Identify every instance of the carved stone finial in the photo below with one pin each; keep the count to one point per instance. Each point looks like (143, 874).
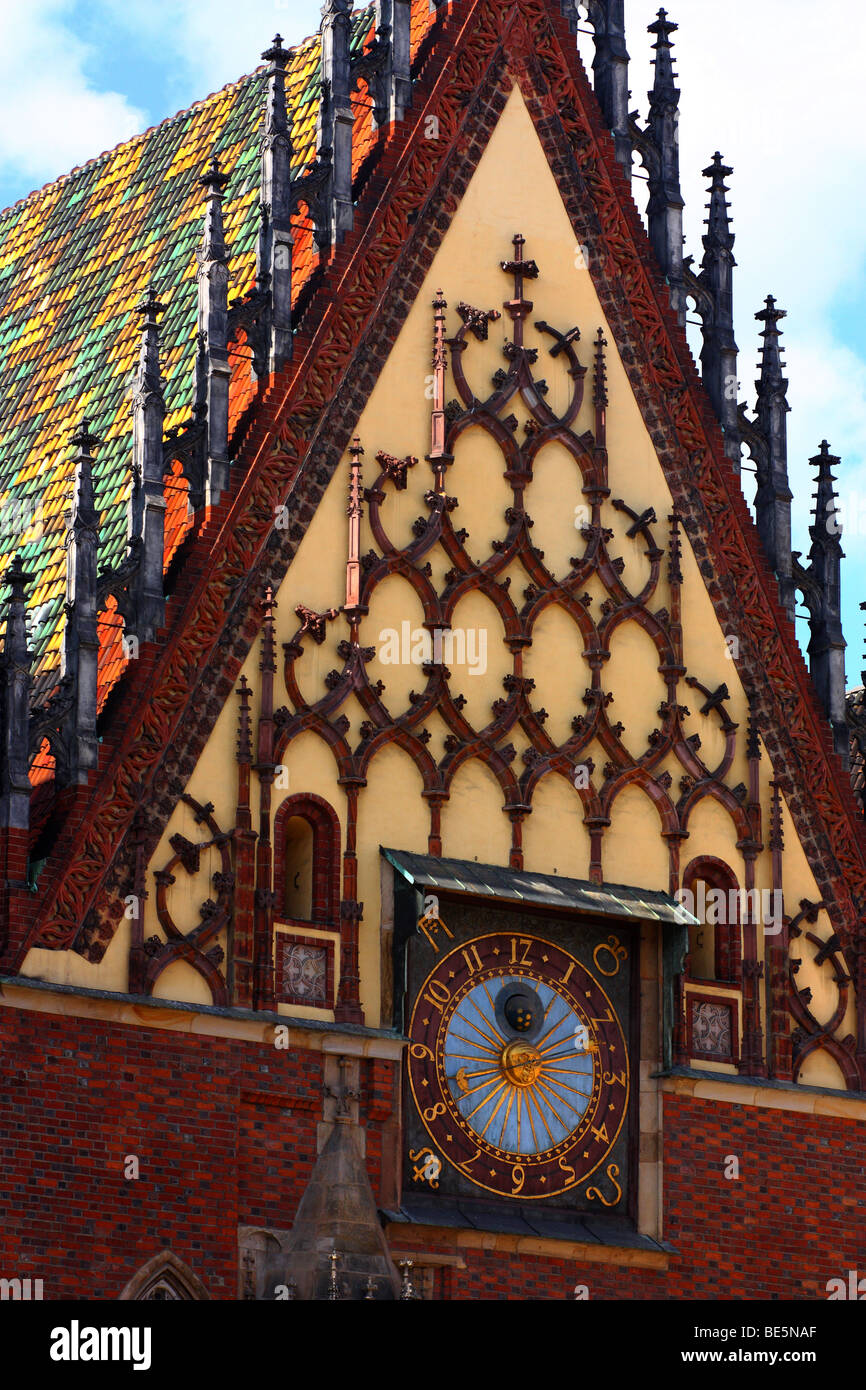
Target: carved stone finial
(610, 71)
(773, 497)
(275, 246)
(334, 1292)
(599, 394)
(212, 372)
(665, 208)
(440, 366)
(354, 511)
(718, 223)
(80, 641)
(14, 778)
(336, 118)
(407, 1289)
(719, 353)
(823, 593)
(214, 179)
(146, 514)
(244, 743)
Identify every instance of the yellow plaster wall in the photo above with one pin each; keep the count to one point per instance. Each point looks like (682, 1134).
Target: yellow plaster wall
(512, 190)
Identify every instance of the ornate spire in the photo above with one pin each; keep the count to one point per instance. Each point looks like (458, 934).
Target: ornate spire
(81, 642)
(440, 366)
(610, 70)
(244, 741)
(337, 1238)
(398, 14)
(335, 115)
(212, 365)
(147, 499)
(14, 779)
(276, 244)
(773, 497)
(665, 209)
(719, 355)
(354, 512)
(827, 644)
(374, 65)
(599, 390)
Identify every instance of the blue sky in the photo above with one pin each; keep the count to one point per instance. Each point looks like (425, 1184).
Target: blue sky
(775, 86)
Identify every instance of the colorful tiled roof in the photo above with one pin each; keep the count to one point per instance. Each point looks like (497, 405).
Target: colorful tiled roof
(75, 257)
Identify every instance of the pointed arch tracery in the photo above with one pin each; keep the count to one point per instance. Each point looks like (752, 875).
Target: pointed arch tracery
(324, 825)
(164, 1278)
(516, 719)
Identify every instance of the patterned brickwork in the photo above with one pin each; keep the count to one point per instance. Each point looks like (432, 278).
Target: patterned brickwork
(794, 1219)
(225, 1134)
(224, 1131)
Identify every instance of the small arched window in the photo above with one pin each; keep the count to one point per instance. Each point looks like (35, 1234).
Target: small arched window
(164, 1279)
(715, 948)
(307, 860)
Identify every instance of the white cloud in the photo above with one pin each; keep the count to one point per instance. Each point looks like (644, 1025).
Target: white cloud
(216, 43)
(51, 117)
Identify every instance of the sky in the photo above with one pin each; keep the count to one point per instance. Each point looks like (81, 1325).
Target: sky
(775, 86)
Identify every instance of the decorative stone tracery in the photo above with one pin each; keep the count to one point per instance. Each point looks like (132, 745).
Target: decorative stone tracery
(594, 720)
(82, 911)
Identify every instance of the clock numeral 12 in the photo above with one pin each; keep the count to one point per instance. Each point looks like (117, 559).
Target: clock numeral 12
(524, 959)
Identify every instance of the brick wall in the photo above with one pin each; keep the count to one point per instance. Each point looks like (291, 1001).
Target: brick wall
(795, 1217)
(225, 1134)
(224, 1131)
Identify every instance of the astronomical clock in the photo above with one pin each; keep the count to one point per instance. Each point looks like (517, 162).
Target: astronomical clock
(520, 1071)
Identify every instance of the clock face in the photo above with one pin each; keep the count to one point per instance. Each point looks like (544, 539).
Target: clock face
(518, 1065)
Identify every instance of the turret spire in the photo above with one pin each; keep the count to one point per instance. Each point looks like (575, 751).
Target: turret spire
(335, 116)
(147, 499)
(719, 355)
(14, 779)
(827, 644)
(773, 497)
(354, 512)
(212, 365)
(665, 209)
(81, 643)
(398, 13)
(610, 70)
(276, 244)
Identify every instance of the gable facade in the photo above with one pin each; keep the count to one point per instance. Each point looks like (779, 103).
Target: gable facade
(487, 593)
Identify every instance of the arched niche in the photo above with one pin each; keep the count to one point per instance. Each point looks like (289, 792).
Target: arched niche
(164, 1279)
(307, 859)
(715, 949)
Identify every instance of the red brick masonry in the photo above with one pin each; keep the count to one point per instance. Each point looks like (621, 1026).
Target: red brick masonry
(225, 1134)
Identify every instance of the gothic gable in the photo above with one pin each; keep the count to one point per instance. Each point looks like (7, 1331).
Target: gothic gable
(561, 490)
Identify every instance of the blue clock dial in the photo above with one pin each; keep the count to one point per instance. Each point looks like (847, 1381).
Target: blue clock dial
(518, 1094)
